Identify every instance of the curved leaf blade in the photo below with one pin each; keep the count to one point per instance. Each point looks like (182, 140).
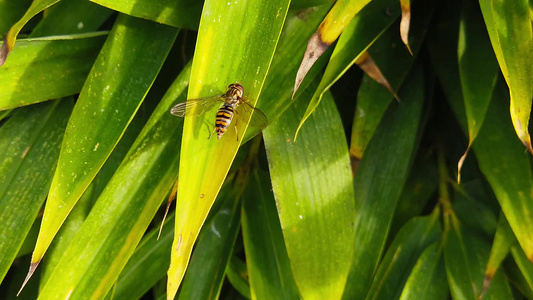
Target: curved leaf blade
(312, 183)
(511, 35)
(47, 68)
(36, 7)
(29, 145)
(108, 103)
(226, 52)
(360, 34)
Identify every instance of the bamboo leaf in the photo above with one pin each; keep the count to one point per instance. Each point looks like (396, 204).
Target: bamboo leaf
(47, 68)
(179, 13)
(220, 44)
(338, 18)
(378, 182)
(402, 255)
(362, 32)
(36, 7)
(501, 246)
(478, 70)
(112, 94)
(428, 277)
(108, 237)
(29, 147)
(312, 183)
(266, 256)
(511, 35)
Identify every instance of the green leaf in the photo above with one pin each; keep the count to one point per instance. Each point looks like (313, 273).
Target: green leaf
(47, 68)
(466, 256)
(478, 68)
(266, 256)
(524, 264)
(511, 35)
(372, 98)
(499, 156)
(427, 280)
(504, 239)
(239, 50)
(29, 147)
(236, 273)
(178, 13)
(312, 183)
(108, 237)
(212, 252)
(379, 180)
(36, 7)
(117, 85)
(360, 34)
(402, 255)
(71, 17)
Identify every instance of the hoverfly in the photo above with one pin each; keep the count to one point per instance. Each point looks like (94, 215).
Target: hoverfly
(232, 99)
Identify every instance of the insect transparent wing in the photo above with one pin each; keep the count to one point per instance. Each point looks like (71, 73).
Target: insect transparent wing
(258, 118)
(195, 107)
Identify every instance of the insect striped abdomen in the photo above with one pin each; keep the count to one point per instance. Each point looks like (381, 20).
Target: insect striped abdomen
(224, 116)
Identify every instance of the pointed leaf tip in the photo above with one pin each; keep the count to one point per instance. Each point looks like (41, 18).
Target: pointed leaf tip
(367, 64)
(315, 48)
(405, 23)
(33, 267)
(460, 165)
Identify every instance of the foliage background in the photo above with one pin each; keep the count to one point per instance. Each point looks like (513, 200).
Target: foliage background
(364, 203)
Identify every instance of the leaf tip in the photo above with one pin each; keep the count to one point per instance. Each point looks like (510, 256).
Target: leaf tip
(33, 267)
(315, 48)
(460, 164)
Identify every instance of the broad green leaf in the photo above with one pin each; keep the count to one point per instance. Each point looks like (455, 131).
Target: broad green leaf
(511, 35)
(313, 187)
(177, 13)
(516, 277)
(79, 213)
(148, 264)
(266, 256)
(427, 280)
(338, 18)
(108, 237)
(47, 68)
(362, 32)
(117, 85)
(402, 255)
(36, 7)
(372, 98)
(211, 255)
(466, 256)
(379, 181)
(478, 70)
(11, 12)
(29, 147)
(71, 17)
(469, 197)
(239, 50)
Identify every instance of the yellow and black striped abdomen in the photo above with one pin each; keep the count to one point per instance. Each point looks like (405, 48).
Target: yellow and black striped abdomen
(224, 116)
